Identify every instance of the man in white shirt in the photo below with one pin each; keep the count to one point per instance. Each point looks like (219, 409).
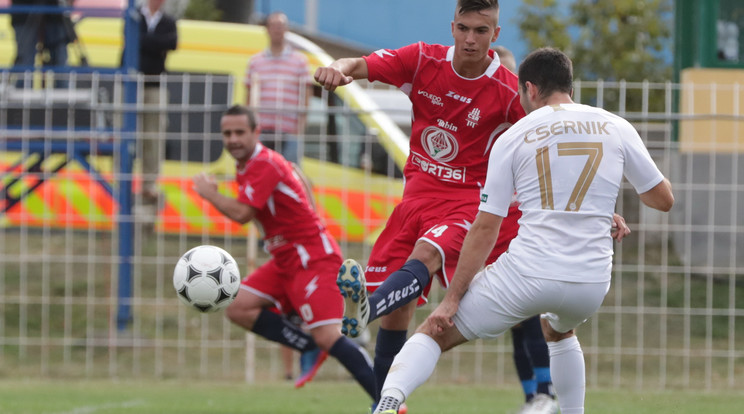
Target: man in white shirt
(566, 162)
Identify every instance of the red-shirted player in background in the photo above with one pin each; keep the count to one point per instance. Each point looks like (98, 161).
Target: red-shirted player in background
(462, 100)
(301, 274)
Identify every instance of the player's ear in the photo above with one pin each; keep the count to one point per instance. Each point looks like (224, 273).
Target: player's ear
(496, 34)
(532, 90)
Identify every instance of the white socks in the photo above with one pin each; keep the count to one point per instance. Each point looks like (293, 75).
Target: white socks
(413, 365)
(568, 373)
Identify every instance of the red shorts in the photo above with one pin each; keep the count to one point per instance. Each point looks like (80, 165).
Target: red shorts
(303, 280)
(441, 223)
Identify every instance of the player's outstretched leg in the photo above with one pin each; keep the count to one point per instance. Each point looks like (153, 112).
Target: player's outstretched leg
(353, 288)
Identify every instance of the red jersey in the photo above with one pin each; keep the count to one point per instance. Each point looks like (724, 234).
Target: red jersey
(455, 119)
(269, 184)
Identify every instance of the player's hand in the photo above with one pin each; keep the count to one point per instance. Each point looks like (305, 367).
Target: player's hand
(619, 228)
(204, 185)
(330, 77)
(441, 318)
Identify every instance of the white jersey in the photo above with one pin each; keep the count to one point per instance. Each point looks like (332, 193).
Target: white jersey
(566, 163)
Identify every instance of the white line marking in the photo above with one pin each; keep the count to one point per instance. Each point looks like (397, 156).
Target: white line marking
(89, 409)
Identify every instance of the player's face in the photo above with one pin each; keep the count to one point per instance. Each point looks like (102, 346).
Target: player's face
(474, 32)
(155, 4)
(240, 140)
(276, 27)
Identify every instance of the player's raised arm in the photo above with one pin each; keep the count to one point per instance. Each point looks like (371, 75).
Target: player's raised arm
(341, 72)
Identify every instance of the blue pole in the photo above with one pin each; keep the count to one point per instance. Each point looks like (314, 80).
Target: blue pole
(130, 67)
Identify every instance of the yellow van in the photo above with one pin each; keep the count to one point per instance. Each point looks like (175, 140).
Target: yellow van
(344, 128)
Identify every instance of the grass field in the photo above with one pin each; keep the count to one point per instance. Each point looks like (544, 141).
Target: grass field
(169, 397)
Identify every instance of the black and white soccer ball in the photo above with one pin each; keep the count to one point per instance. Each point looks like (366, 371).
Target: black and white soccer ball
(206, 278)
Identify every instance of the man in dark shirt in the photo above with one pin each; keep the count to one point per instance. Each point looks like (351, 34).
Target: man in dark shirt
(157, 36)
(48, 27)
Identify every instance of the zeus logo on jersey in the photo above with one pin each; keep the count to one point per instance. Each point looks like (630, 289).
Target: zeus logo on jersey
(459, 97)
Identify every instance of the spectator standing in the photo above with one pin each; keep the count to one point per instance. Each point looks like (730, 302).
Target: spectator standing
(277, 82)
(158, 35)
(49, 28)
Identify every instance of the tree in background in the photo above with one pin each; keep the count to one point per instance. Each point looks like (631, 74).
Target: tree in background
(612, 40)
(202, 10)
(543, 24)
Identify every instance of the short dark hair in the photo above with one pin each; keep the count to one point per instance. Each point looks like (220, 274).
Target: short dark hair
(465, 6)
(243, 110)
(271, 16)
(549, 69)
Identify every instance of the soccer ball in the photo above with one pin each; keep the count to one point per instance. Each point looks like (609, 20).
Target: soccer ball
(206, 278)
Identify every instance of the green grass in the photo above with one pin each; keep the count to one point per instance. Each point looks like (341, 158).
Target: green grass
(165, 397)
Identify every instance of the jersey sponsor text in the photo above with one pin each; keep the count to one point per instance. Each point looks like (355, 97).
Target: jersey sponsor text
(446, 125)
(436, 100)
(442, 172)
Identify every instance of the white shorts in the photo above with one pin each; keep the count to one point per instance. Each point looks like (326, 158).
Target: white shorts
(499, 298)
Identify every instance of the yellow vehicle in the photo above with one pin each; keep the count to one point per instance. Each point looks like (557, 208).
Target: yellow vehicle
(354, 201)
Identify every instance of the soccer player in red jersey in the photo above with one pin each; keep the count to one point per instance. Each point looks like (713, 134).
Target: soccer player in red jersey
(463, 99)
(300, 275)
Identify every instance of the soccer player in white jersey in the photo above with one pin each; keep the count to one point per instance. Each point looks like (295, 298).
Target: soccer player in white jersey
(566, 162)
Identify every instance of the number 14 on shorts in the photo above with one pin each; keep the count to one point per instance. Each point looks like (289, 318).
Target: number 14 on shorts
(437, 230)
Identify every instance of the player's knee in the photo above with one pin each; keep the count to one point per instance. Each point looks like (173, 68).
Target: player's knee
(241, 314)
(326, 336)
(425, 328)
(428, 255)
(447, 339)
(551, 335)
